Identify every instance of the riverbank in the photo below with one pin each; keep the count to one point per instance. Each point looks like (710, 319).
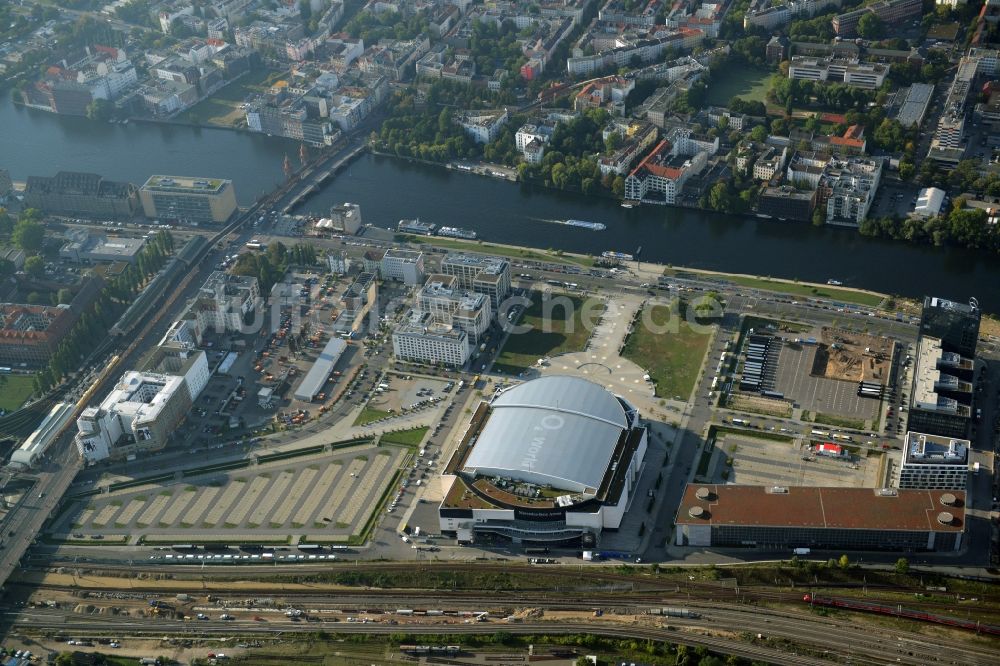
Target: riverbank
(653, 271)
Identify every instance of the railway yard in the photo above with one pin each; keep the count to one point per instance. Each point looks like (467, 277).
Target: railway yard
(758, 621)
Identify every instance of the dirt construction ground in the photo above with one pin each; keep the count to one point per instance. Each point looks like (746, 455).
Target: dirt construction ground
(852, 357)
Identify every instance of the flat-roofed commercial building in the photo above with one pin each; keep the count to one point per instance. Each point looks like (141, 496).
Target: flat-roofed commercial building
(356, 304)
(447, 304)
(556, 459)
(87, 194)
(955, 324)
(82, 247)
(482, 274)
(407, 266)
(941, 395)
(783, 518)
(320, 371)
(934, 463)
(914, 106)
(188, 199)
(143, 410)
(423, 340)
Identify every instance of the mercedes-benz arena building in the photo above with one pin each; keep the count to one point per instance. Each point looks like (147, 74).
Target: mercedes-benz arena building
(553, 460)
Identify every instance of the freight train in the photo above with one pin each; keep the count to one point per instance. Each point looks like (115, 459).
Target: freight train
(899, 611)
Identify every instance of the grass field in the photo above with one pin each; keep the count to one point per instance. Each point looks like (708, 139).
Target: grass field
(14, 390)
(748, 83)
(564, 332)
(411, 437)
(672, 358)
(369, 414)
(501, 250)
(794, 288)
(223, 108)
(839, 421)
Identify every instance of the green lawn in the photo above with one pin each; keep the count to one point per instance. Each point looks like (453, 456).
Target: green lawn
(223, 107)
(795, 288)
(411, 437)
(749, 83)
(565, 331)
(369, 414)
(501, 250)
(672, 358)
(14, 390)
(839, 421)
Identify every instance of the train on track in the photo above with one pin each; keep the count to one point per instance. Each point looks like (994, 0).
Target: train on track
(900, 611)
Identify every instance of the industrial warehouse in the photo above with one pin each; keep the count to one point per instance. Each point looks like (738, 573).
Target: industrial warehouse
(555, 459)
(845, 518)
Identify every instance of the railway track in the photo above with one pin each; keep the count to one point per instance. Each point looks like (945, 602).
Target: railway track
(725, 630)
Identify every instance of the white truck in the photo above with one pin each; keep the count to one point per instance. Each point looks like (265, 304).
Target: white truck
(801, 551)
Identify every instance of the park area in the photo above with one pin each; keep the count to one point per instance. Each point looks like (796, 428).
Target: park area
(558, 323)
(222, 108)
(749, 83)
(671, 355)
(14, 390)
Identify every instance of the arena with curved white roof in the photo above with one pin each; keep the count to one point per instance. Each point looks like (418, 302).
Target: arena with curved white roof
(554, 459)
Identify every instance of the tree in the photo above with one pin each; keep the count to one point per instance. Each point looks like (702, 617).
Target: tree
(902, 566)
(34, 298)
(100, 109)
(618, 186)
(870, 26)
(28, 234)
(818, 217)
(759, 134)
(34, 266)
(64, 297)
(844, 562)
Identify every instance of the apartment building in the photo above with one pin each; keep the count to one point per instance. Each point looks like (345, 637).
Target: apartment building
(483, 126)
(850, 186)
(663, 172)
(770, 163)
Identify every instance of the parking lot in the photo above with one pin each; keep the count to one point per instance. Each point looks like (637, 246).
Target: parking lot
(818, 394)
(769, 463)
(401, 394)
(322, 496)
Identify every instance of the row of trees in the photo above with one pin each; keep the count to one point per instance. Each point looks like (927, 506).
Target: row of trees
(833, 96)
(91, 330)
(961, 227)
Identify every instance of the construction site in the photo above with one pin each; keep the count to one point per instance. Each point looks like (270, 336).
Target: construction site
(852, 357)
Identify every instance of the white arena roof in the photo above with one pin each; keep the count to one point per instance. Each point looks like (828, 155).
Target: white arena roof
(559, 431)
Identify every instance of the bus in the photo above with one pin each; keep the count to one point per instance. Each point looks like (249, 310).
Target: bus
(311, 547)
(842, 437)
(820, 433)
(184, 547)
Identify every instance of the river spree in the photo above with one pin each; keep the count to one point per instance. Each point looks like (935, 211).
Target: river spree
(37, 143)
